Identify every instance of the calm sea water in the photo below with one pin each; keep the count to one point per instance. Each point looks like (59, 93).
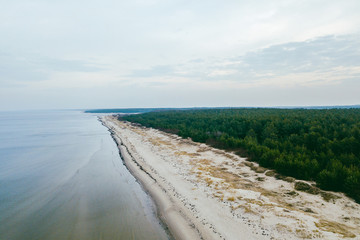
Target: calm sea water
(61, 177)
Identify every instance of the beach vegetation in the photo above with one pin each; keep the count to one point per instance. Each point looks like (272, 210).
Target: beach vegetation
(335, 227)
(321, 145)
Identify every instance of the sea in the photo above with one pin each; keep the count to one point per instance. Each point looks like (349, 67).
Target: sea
(61, 177)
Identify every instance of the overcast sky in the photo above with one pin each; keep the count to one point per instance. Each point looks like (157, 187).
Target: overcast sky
(173, 53)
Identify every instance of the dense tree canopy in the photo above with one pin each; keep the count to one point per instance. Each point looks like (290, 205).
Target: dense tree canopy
(320, 145)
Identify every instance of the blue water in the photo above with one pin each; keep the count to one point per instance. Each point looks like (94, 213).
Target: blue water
(61, 177)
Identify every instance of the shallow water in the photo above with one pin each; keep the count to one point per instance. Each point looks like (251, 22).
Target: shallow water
(61, 177)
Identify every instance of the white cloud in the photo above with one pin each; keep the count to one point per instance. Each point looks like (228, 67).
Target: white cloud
(192, 45)
(217, 73)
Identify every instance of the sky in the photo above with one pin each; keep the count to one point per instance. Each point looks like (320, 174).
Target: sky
(161, 53)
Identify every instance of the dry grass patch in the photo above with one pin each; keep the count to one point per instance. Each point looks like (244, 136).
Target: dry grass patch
(248, 209)
(292, 193)
(183, 153)
(259, 169)
(249, 164)
(218, 151)
(138, 131)
(283, 228)
(270, 173)
(260, 179)
(304, 187)
(303, 233)
(209, 181)
(334, 227)
(231, 199)
(225, 175)
(154, 142)
(164, 143)
(289, 179)
(328, 196)
(203, 149)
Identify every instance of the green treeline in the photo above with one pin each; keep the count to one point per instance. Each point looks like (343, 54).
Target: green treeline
(320, 145)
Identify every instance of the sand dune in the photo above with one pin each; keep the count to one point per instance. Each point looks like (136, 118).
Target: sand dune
(207, 193)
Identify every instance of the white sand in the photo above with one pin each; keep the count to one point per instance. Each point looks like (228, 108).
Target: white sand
(206, 193)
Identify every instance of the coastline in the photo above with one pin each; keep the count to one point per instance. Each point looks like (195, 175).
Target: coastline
(169, 213)
(205, 193)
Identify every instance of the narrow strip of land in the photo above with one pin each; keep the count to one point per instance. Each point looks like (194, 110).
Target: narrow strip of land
(206, 193)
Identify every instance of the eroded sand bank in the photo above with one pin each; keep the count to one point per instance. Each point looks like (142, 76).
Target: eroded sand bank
(206, 193)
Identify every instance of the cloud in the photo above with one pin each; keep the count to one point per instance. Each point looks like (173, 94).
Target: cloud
(15, 70)
(63, 65)
(324, 60)
(318, 53)
(162, 70)
(163, 46)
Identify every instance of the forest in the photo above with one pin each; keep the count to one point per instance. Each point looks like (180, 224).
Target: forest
(322, 145)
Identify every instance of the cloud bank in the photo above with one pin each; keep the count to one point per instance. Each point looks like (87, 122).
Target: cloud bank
(89, 54)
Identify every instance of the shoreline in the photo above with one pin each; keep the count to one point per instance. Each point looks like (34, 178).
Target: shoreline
(178, 225)
(206, 193)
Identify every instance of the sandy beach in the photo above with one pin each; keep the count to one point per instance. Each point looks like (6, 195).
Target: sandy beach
(206, 193)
